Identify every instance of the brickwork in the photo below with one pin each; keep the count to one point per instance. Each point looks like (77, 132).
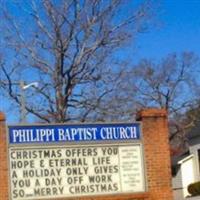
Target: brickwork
(156, 153)
(142, 196)
(3, 160)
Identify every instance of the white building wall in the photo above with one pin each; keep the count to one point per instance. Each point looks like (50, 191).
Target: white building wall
(187, 173)
(177, 186)
(194, 150)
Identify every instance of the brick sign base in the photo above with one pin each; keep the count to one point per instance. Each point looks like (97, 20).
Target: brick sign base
(156, 156)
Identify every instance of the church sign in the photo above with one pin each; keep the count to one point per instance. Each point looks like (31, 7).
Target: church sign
(54, 161)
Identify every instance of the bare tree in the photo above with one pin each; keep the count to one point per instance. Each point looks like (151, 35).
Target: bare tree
(67, 46)
(171, 84)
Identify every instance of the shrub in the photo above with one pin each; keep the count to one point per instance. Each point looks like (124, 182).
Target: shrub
(194, 189)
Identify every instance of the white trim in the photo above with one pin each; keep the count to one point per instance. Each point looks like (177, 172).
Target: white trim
(185, 159)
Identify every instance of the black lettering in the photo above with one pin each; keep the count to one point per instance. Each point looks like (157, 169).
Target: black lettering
(100, 179)
(37, 191)
(14, 174)
(37, 183)
(22, 164)
(21, 183)
(110, 151)
(106, 169)
(15, 193)
(115, 186)
(21, 193)
(101, 160)
(47, 191)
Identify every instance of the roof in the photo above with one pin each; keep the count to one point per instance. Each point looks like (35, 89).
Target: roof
(177, 158)
(175, 165)
(185, 159)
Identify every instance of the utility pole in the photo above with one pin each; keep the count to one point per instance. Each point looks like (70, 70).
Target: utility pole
(23, 87)
(23, 103)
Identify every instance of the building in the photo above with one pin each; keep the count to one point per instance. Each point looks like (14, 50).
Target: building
(186, 168)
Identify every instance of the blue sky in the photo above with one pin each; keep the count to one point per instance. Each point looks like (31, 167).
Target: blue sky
(178, 30)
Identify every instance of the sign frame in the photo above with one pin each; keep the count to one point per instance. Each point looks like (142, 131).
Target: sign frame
(73, 144)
